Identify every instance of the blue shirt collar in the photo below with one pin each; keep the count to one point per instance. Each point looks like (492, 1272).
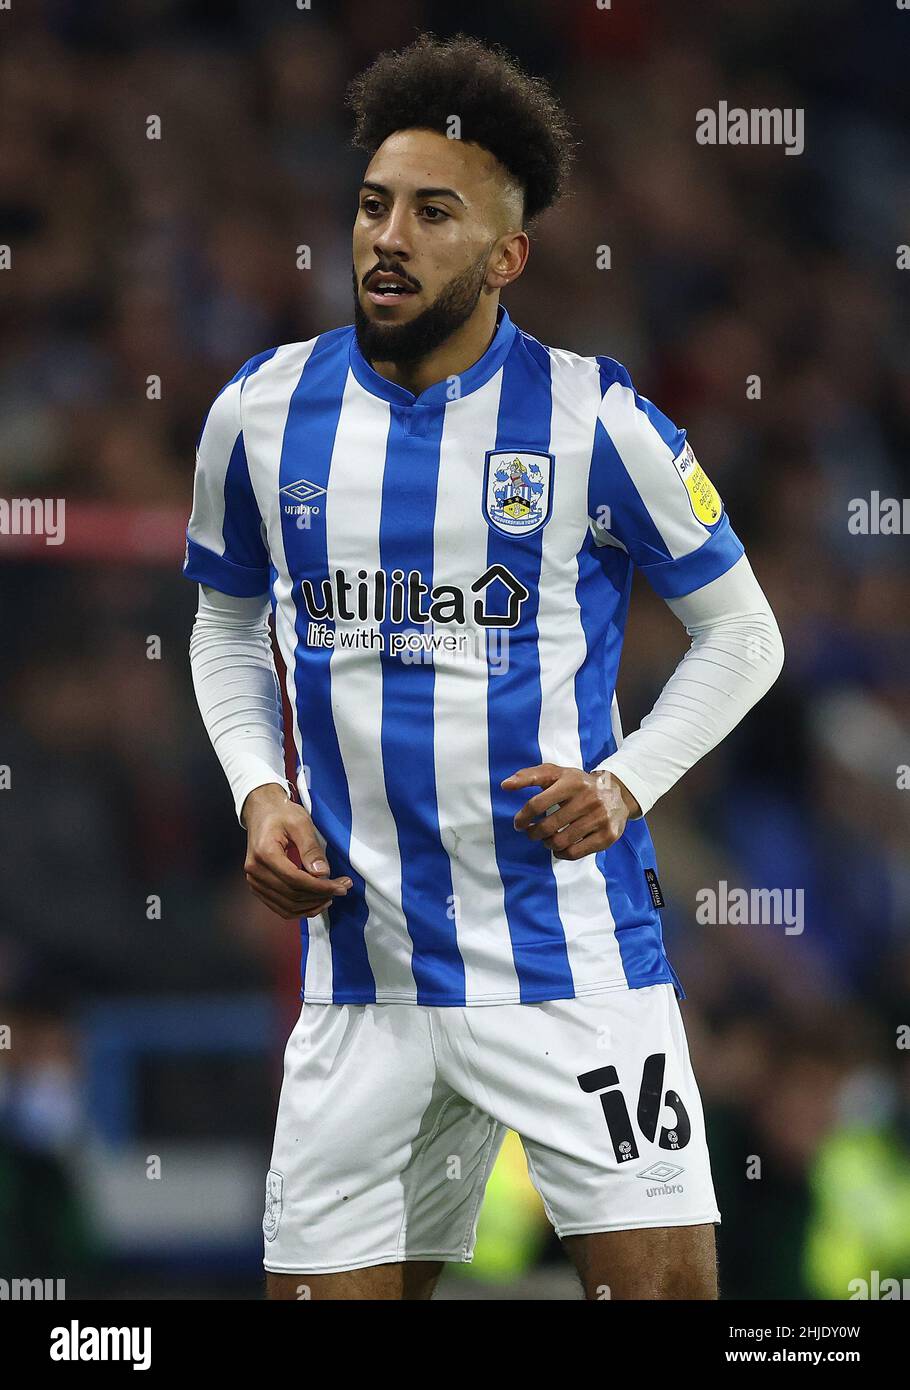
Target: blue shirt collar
(438, 394)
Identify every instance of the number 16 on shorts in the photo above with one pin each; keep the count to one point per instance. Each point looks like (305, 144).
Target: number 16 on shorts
(651, 1097)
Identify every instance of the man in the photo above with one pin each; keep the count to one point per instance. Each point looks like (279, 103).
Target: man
(446, 514)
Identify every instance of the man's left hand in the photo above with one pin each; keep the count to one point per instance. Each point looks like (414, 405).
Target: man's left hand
(577, 813)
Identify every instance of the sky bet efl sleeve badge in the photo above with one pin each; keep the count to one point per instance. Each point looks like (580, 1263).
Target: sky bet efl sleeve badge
(703, 495)
(518, 490)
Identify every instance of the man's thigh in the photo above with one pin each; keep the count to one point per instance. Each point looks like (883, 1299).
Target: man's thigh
(410, 1281)
(664, 1262)
(360, 1191)
(602, 1094)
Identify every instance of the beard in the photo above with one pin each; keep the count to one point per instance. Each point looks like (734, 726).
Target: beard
(408, 343)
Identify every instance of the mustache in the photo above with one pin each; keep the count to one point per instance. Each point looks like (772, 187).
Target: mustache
(390, 270)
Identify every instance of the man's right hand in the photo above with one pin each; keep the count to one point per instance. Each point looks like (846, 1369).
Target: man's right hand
(273, 822)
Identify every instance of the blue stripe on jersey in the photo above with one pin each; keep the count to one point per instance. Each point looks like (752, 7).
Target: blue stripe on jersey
(514, 702)
(203, 566)
(306, 451)
(603, 619)
(409, 489)
(640, 941)
(242, 542)
(638, 931)
(672, 435)
(690, 572)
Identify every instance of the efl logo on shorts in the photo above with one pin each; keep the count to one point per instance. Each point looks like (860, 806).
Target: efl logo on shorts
(274, 1188)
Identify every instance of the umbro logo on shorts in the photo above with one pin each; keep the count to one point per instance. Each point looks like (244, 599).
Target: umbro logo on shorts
(663, 1174)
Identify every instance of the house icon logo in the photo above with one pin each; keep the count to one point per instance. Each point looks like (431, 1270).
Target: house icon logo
(493, 584)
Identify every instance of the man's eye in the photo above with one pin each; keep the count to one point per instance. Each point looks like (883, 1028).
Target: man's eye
(437, 213)
(371, 205)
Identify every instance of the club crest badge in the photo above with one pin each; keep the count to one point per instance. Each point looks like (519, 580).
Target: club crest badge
(518, 490)
(274, 1186)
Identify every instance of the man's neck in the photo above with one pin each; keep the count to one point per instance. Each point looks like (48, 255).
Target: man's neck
(451, 359)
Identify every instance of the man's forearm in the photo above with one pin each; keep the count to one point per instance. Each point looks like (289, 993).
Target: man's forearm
(237, 691)
(735, 657)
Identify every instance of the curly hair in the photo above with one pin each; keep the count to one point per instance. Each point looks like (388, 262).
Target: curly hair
(511, 114)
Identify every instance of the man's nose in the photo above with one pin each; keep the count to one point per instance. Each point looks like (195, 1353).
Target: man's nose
(392, 241)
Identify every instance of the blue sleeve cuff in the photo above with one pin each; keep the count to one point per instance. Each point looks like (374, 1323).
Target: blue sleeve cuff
(674, 578)
(205, 567)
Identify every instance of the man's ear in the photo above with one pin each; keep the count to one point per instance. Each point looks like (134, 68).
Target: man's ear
(510, 260)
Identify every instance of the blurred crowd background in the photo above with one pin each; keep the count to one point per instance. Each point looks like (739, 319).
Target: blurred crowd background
(147, 996)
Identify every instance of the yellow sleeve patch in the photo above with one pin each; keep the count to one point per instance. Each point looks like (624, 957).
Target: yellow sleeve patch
(703, 495)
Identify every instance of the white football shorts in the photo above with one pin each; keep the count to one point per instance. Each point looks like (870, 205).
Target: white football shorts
(391, 1116)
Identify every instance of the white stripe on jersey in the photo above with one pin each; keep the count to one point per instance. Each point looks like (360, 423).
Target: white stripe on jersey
(353, 511)
(216, 442)
(460, 701)
(583, 902)
(649, 463)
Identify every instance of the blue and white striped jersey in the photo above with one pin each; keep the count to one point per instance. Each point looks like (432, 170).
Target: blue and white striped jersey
(450, 577)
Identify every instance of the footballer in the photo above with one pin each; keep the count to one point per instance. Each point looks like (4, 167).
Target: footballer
(444, 514)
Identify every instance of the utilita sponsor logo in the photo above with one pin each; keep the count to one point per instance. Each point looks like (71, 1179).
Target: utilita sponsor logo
(378, 596)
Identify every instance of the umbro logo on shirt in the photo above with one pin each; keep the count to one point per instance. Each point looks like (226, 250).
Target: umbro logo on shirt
(303, 492)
